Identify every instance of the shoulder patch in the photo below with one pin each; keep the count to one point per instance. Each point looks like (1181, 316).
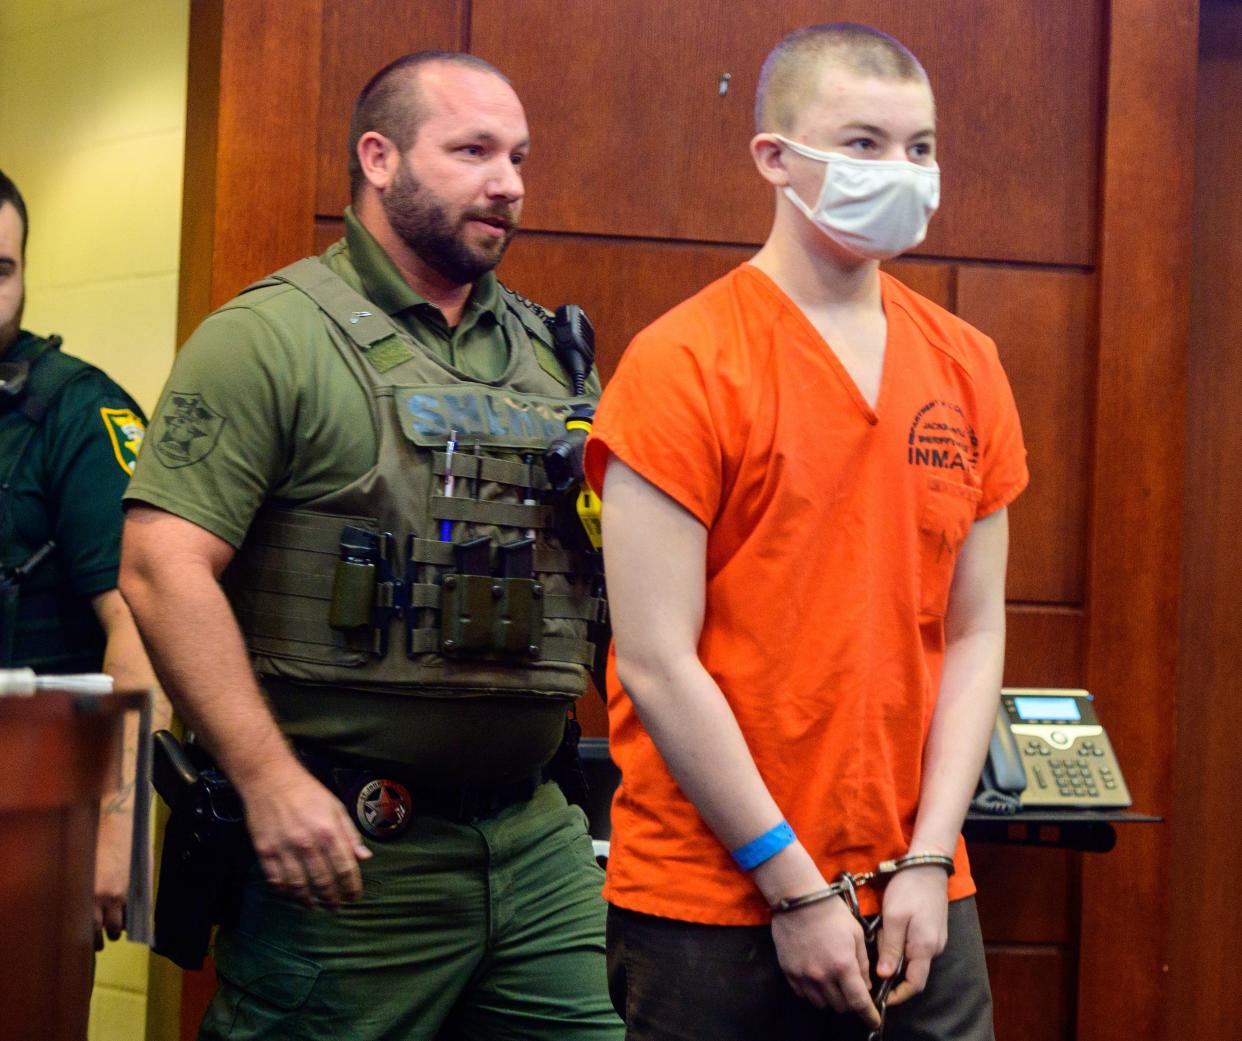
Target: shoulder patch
(126, 431)
(188, 430)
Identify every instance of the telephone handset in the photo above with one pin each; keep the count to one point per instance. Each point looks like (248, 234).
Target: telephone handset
(1049, 751)
(1004, 779)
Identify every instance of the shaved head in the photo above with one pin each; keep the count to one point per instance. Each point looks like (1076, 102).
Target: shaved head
(392, 103)
(790, 77)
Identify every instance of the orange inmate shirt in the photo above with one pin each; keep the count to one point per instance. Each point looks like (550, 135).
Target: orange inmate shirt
(832, 535)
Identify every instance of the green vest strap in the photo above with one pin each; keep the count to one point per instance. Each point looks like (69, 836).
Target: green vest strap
(423, 594)
(555, 648)
(510, 514)
(49, 373)
(301, 650)
(304, 626)
(354, 313)
(304, 530)
(316, 585)
(582, 608)
(548, 560)
(501, 471)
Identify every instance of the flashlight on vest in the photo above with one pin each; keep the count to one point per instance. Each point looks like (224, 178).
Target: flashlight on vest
(563, 463)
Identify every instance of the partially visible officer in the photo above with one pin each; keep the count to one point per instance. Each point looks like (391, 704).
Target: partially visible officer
(808, 595)
(356, 434)
(68, 440)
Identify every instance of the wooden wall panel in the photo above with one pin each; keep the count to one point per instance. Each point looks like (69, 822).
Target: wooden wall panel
(651, 147)
(327, 231)
(250, 138)
(1137, 484)
(1045, 646)
(1042, 322)
(198, 190)
(630, 135)
(1206, 914)
(1026, 895)
(1031, 993)
(359, 38)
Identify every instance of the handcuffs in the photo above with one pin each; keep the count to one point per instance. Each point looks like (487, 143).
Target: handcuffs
(846, 886)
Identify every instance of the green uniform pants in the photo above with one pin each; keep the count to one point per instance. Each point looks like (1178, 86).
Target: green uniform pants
(488, 932)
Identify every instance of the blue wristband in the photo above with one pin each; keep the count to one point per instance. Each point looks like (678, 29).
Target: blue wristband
(765, 847)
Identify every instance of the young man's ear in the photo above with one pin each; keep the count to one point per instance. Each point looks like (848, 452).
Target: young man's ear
(379, 158)
(769, 157)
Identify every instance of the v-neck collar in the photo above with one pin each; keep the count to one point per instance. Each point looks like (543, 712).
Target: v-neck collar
(870, 412)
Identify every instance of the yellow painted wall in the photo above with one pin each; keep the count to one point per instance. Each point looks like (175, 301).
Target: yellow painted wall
(92, 128)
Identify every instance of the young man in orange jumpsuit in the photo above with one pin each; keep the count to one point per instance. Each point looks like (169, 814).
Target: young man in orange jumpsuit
(805, 472)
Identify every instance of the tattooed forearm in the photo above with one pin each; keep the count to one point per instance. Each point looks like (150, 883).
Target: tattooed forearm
(119, 801)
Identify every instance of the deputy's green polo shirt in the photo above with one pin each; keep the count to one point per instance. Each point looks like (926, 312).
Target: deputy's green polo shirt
(476, 346)
(66, 488)
(261, 406)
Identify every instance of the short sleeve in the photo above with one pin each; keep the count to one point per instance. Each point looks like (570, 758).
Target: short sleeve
(92, 436)
(220, 435)
(1003, 469)
(656, 417)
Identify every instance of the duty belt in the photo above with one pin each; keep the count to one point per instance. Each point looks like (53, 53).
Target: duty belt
(382, 801)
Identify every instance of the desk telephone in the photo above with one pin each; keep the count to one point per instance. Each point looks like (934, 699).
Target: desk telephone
(1050, 751)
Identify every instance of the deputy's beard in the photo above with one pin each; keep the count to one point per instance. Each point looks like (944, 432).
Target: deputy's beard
(423, 223)
(10, 329)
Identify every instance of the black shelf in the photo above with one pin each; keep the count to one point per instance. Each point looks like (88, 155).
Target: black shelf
(1087, 831)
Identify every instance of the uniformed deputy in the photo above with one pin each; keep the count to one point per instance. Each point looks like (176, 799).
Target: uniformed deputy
(342, 494)
(68, 440)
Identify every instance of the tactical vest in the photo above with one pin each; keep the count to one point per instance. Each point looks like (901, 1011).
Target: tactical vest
(395, 582)
(59, 632)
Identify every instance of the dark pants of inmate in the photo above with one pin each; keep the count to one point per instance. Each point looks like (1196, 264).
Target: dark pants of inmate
(680, 981)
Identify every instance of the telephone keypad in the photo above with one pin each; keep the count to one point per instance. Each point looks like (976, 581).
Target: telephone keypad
(1074, 774)
(1076, 777)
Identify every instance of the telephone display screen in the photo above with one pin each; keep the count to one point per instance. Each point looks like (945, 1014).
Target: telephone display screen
(1047, 708)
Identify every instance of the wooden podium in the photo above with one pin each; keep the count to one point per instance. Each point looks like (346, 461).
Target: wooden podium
(52, 776)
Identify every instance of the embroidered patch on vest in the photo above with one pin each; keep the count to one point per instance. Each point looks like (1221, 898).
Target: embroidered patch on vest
(388, 354)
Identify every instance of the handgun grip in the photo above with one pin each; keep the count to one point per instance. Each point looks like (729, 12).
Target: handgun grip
(172, 773)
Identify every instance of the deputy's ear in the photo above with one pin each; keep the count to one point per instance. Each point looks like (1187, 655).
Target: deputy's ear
(769, 157)
(379, 158)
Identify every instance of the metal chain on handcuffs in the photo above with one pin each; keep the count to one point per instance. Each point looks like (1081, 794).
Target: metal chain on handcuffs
(846, 886)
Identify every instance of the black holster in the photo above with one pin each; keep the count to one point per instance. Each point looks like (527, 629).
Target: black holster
(206, 853)
(566, 765)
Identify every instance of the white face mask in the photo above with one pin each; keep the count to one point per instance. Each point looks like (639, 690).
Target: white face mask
(875, 208)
